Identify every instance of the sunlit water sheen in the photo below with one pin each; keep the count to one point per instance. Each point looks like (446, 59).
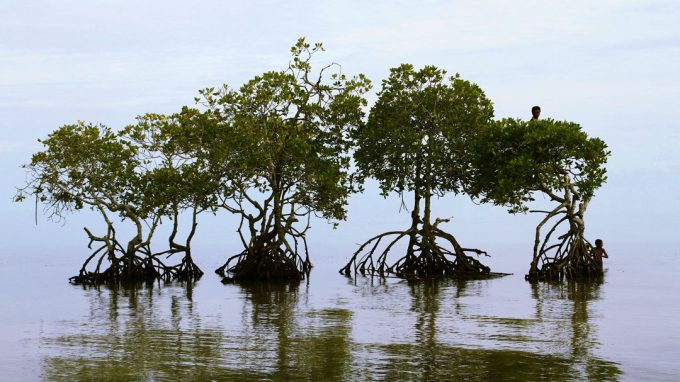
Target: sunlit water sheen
(334, 328)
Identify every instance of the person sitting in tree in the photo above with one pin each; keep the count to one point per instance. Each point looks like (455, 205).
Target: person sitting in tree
(535, 113)
(599, 253)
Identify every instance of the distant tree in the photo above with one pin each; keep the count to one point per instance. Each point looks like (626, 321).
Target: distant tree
(417, 140)
(85, 165)
(283, 141)
(515, 159)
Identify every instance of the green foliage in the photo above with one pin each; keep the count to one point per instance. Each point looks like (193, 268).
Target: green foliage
(174, 167)
(286, 132)
(83, 165)
(422, 125)
(515, 158)
(147, 169)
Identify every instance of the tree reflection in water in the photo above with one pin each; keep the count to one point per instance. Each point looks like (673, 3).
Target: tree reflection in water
(429, 359)
(141, 334)
(304, 344)
(582, 338)
(138, 334)
(423, 331)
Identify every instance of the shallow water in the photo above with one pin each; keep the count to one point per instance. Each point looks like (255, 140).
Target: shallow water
(335, 328)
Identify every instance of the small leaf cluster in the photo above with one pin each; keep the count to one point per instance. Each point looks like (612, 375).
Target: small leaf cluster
(289, 131)
(83, 164)
(174, 168)
(421, 126)
(515, 158)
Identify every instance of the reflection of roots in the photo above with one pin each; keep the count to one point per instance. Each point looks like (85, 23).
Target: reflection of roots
(424, 257)
(569, 259)
(272, 262)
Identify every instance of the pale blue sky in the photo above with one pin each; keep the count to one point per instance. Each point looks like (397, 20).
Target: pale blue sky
(609, 65)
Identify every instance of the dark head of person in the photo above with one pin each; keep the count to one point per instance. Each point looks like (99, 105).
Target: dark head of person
(535, 113)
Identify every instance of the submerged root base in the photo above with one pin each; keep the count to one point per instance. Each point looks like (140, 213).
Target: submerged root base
(556, 272)
(118, 271)
(133, 269)
(424, 257)
(186, 271)
(436, 266)
(267, 265)
(571, 261)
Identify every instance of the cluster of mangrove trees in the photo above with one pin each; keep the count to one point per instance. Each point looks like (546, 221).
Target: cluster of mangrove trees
(296, 143)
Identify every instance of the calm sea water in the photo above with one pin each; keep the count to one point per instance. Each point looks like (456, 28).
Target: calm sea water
(334, 328)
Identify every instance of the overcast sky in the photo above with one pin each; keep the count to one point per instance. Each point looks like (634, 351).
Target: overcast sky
(609, 65)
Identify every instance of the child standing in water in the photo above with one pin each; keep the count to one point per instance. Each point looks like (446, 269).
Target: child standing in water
(599, 253)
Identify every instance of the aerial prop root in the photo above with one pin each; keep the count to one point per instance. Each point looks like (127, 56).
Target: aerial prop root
(121, 266)
(275, 259)
(186, 270)
(570, 258)
(423, 258)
